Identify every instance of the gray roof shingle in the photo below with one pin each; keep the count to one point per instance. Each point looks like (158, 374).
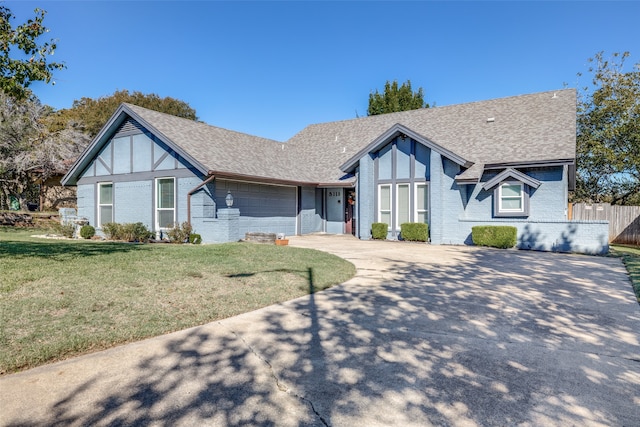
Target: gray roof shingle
(529, 128)
(539, 127)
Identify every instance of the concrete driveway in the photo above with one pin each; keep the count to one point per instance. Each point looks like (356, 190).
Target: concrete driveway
(424, 335)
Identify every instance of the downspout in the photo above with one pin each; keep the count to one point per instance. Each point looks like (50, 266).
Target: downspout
(193, 190)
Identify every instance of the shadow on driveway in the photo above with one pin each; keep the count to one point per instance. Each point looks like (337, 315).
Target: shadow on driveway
(444, 336)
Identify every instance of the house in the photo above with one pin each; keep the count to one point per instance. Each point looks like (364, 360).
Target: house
(508, 161)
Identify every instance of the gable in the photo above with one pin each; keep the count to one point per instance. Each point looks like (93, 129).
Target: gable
(133, 153)
(514, 174)
(127, 146)
(403, 132)
(535, 129)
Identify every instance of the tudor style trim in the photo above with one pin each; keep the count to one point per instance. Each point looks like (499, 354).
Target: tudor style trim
(400, 130)
(108, 132)
(512, 174)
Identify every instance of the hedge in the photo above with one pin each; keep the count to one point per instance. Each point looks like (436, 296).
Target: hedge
(414, 231)
(497, 236)
(379, 230)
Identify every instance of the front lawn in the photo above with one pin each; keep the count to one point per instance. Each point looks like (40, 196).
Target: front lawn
(631, 259)
(60, 298)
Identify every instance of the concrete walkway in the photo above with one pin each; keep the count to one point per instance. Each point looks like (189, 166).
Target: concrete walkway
(424, 335)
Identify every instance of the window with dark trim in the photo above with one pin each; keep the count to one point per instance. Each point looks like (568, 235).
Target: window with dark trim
(105, 203)
(511, 198)
(402, 179)
(165, 203)
(384, 204)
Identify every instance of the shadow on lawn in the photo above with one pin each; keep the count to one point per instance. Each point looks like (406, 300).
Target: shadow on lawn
(64, 249)
(463, 343)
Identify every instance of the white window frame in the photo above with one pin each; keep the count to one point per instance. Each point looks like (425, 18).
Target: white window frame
(380, 204)
(416, 210)
(158, 209)
(397, 204)
(522, 209)
(100, 204)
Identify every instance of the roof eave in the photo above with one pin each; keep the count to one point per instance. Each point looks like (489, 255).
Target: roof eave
(116, 119)
(162, 137)
(531, 164)
(511, 173)
(393, 132)
(119, 116)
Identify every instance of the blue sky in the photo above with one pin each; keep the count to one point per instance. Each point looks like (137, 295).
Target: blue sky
(272, 68)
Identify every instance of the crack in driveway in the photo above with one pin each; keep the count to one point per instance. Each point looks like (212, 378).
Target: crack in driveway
(279, 383)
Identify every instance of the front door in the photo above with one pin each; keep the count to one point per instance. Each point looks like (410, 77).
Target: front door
(349, 220)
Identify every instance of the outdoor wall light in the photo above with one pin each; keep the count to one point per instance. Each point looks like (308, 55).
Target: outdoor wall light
(229, 199)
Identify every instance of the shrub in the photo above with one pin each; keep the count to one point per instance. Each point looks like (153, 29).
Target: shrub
(135, 232)
(497, 236)
(87, 231)
(195, 239)
(112, 230)
(180, 233)
(379, 230)
(414, 231)
(67, 229)
(129, 232)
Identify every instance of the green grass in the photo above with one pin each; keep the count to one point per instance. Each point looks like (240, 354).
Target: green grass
(60, 298)
(631, 258)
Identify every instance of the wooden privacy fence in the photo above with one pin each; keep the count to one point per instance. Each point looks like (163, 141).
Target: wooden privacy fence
(624, 221)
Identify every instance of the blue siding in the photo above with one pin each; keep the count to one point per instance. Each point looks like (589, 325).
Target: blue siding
(101, 170)
(547, 202)
(104, 165)
(365, 194)
(385, 163)
(141, 153)
(184, 185)
(86, 202)
(133, 202)
(309, 217)
(158, 152)
(436, 190)
(403, 158)
(423, 155)
(263, 208)
(122, 155)
(167, 163)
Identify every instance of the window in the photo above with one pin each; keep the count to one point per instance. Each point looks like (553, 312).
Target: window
(165, 203)
(403, 205)
(402, 178)
(511, 199)
(422, 203)
(105, 203)
(384, 204)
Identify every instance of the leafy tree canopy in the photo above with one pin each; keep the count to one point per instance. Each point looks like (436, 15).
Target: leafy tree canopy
(395, 99)
(608, 133)
(22, 59)
(29, 151)
(91, 114)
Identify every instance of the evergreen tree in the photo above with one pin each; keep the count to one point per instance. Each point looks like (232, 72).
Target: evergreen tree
(395, 99)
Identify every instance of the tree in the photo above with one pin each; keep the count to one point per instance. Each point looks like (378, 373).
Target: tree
(608, 133)
(91, 114)
(395, 99)
(29, 151)
(22, 59)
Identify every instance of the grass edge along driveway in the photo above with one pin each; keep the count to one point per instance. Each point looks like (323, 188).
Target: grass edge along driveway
(62, 298)
(631, 259)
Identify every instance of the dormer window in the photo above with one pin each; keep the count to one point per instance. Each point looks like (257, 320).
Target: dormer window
(511, 193)
(511, 197)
